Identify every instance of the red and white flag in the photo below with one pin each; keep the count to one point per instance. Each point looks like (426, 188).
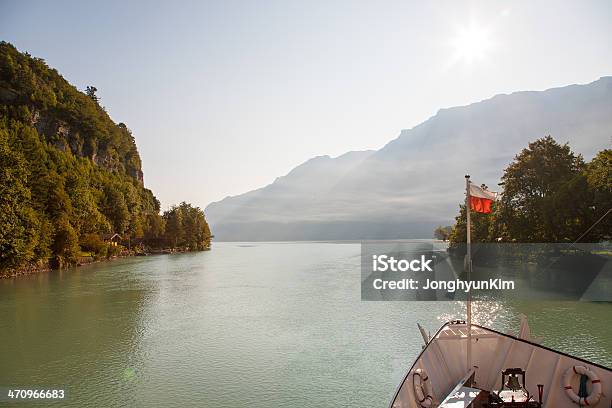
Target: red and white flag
(481, 199)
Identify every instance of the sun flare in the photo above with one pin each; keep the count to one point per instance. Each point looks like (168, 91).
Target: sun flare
(472, 43)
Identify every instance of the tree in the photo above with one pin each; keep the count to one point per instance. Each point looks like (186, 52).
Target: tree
(91, 92)
(443, 233)
(18, 221)
(186, 227)
(550, 195)
(481, 227)
(174, 226)
(598, 176)
(65, 243)
(115, 208)
(154, 226)
(533, 207)
(87, 217)
(93, 243)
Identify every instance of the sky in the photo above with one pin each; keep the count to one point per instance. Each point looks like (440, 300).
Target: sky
(225, 96)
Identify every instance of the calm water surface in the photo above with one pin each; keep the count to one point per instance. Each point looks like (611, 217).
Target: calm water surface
(244, 325)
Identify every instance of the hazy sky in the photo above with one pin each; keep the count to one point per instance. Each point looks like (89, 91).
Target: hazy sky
(225, 96)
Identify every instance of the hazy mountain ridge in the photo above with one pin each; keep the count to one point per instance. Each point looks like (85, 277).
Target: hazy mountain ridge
(300, 188)
(416, 180)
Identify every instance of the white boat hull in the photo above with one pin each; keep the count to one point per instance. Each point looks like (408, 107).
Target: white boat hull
(444, 360)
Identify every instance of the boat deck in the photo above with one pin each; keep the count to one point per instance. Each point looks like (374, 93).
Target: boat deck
(444, 360)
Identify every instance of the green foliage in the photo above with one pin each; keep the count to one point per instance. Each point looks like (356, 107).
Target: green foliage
(599, 180)
(115, 207)
(186, 227)
(18, 221)
(113, 250)
(174, 233)
(481, 227)
(443, 233)
(155, 226)
(69, 174)
(65, 243)
(93, 243)
(550, 195)
(91, 92)
(535, 205)
(33, 93)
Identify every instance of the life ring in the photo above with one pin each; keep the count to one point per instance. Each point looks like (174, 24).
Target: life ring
(593, 397)
(422, 388)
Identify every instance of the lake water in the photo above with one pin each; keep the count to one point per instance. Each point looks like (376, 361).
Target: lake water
(243, 325)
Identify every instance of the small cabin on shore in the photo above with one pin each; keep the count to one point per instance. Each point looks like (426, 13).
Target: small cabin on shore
(112, 239)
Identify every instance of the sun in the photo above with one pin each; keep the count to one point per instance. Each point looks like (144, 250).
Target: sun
(472, 43)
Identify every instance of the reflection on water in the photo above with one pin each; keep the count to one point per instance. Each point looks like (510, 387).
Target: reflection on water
(255, 325)
(484, 313)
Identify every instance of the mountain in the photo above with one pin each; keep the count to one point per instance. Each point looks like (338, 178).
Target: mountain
(68, 119)
(416, 181)
(70, 175)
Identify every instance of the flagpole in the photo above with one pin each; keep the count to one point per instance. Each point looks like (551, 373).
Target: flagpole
(468, 270)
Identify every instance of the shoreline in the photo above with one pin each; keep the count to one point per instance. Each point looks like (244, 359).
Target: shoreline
(32, 269)
(29, 270)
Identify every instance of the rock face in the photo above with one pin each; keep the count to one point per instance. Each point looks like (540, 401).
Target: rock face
(69, 120)
(416, 181)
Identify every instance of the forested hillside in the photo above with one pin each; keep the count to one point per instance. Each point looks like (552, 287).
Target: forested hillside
(69, 174)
